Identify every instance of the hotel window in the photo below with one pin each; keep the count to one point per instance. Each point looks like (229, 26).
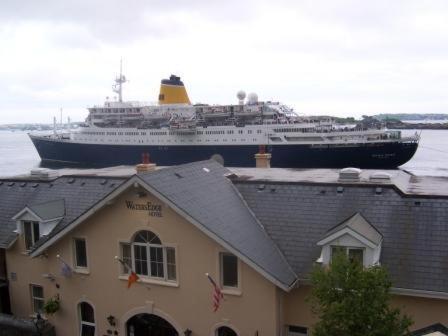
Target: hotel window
(126, 257)
(354, 254)
(229, 270)
(148, 257)
(297, 331)
(31, 233)
(80, 252)
(37, 298)
(87, 319)
(225, 331)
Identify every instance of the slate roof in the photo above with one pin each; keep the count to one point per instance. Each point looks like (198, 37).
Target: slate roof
(415, 230)
(78, 193)
(360, 225)
(49, 210)
(201, 190)
(274, 224)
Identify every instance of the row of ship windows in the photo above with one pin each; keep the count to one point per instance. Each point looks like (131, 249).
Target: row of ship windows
(286, 130)
(169, 141)
(115, 110)
(170, 133)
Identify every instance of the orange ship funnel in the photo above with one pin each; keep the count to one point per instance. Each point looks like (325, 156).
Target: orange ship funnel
(172, 91)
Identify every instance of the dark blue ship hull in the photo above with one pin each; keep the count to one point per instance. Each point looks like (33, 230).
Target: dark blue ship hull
(384, 155)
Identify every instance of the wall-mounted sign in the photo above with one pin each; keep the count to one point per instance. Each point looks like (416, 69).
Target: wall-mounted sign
(154, 210)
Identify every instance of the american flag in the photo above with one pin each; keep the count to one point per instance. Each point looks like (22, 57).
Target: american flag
(217, 294)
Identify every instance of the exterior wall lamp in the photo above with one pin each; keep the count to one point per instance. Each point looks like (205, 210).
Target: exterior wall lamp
(111, 320)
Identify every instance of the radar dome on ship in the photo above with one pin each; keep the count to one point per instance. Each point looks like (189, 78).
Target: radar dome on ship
(252, 98)
(241, 95)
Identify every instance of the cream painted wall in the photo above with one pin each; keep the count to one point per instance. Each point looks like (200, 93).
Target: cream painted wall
(187, 305)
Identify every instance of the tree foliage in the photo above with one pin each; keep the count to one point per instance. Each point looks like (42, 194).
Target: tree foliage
(352, 300)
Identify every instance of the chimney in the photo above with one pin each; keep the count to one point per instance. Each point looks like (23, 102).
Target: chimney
(263, 159)
(146, 165)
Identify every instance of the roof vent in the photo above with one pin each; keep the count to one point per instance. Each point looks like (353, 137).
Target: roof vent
(350, 174)
(44, 174)
(380, 177)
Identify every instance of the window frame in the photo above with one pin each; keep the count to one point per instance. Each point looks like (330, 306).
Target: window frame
(300, 330)
(229, 289)
(34, 299)
(33, 225)
(149, 276)
(76, 267)
(86, 323)
(217, 329)
(347, 250)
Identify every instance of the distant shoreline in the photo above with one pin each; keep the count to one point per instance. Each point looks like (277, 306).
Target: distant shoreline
(420, 126)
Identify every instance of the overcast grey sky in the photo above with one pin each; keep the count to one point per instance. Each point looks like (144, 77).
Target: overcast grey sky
(338, 57)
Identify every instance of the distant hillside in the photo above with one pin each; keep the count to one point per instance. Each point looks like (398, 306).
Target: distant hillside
(412, 116)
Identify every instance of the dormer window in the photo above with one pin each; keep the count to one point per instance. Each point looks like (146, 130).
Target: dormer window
(37, 220)
(31, 233)
(354, 254)
(355, 237)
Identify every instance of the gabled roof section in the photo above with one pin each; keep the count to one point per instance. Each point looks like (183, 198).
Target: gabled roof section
(46, 197)
(356, 224)
(297, 215)
(202, 193)
(45, 211)
(49, 210)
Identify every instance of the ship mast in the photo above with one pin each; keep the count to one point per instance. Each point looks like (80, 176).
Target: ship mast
(119, 81)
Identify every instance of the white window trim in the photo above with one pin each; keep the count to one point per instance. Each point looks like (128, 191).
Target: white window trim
(215, 327)
(76, 268)
(347, 249)
(31, 285)
(121, 271)
(81, 322)
(33, 239)
(149, 278)
(225, 289)
(350, 232)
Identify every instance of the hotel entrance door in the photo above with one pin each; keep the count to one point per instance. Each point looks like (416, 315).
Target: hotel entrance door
(149, 325)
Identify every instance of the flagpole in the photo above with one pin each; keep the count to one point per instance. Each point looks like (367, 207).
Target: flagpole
(66, 269)
(123, 263)
(133, 277)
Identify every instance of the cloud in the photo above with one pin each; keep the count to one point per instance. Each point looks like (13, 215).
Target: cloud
(123, 21)
(346, 57)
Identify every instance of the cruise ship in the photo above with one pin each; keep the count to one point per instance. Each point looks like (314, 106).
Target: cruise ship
(174, 131)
